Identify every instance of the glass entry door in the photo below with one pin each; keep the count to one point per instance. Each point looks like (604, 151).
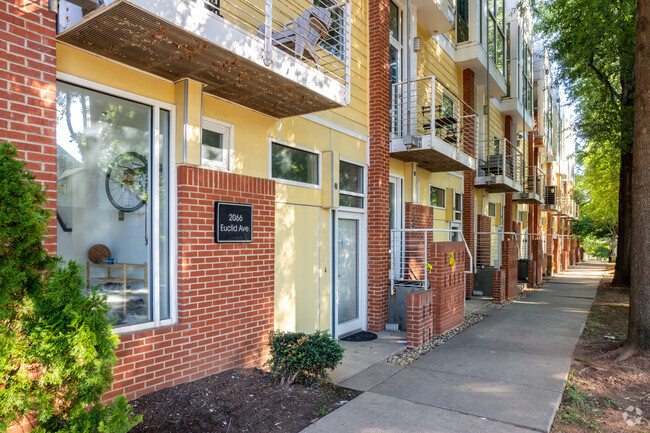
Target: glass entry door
(349, 299)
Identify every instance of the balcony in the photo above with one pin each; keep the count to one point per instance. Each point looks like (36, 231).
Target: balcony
(565, 206)
(552, 199)
(499, 166)
(436, 16)
(534, 183)
(512, 106)
(277, 57)
(432, 126)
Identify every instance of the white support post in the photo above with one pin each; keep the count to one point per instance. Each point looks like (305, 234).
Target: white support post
(268, 32)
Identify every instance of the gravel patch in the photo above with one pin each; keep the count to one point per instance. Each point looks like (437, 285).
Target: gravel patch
(522, 295)
(408, 356)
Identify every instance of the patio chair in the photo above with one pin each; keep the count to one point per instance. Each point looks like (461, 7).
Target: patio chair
(303, 35)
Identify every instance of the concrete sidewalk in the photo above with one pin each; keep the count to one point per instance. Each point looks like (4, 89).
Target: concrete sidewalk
(504, 374)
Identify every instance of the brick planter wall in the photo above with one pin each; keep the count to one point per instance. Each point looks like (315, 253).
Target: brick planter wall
(436, 311)
(225, 291)
(510, 258)
(498, 286)
(28, 91)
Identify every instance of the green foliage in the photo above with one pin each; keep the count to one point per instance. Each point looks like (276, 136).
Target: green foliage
(303, 357)
(56, 343)
(23, 224)
(592, 45)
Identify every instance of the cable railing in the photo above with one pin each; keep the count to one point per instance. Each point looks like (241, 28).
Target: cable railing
(410, 250)
(552, 198)
(534, 181)
(498, 157)
(318, 33)
(434, 110)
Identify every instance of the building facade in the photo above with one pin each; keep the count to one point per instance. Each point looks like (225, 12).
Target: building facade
(258, 165)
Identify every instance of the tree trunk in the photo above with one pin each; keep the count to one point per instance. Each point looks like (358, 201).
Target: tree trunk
(623, 266)
(639, 327)
(627, 80)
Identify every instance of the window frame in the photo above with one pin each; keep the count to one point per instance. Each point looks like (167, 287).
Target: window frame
(498, 30)
(172, 228)
(319, 168)
(458, 210)
(495, 209)
(364, 177)
(227, 130)
(444, 196)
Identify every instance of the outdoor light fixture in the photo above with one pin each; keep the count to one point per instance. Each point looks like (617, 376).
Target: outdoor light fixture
(417, 44)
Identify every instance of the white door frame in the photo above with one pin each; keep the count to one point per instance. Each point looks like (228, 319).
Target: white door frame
(361, 322)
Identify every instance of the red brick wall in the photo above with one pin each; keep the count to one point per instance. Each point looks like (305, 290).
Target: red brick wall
(509, 262)
(436, 311)
(225, 291)
(28, 91)
(378, 168)
(417, 216)
(498, 286)
(419, 318)
(468, 189)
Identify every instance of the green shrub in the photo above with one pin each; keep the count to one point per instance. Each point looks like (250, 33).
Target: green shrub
(56, 343)
(303, 357)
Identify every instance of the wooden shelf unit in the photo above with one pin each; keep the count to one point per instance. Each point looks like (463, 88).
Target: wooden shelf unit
(123, 267)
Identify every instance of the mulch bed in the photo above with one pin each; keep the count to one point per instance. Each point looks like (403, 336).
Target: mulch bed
(240, 400)
(604, 394)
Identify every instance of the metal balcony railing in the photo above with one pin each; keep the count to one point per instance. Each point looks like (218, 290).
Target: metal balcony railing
(409, 252)
(489, 247)
(432, 109)
(534, 181)
(551, 197)
(316, 33)
(498, 157)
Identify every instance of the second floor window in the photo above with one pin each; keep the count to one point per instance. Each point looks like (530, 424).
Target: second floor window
(496, 34)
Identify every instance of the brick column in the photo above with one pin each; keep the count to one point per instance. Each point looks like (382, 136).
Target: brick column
(378, 168)
(28, 91)
(507, 219)
(468, 189)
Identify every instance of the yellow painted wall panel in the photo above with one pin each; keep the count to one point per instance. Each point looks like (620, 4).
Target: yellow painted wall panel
(103, 71)
(297, 275)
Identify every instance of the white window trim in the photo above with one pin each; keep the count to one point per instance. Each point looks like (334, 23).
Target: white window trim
(455, 225)
(461, 206)
(228, 132)
(495, 209)
(444, 196)
(173, 230)
(319, 167)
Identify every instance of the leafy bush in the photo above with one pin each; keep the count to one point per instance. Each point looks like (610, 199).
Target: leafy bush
(56, 343)
(303, 357)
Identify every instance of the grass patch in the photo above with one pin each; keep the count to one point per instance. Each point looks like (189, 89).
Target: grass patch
(578, 407)
(607, 319)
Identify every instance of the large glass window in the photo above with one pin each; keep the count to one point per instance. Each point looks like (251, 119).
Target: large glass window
(351, 185)
(293, 164)
(436, 196)
(462, 15)
(395, 49)
(496, 34)
(111, 202)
